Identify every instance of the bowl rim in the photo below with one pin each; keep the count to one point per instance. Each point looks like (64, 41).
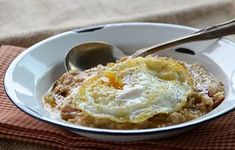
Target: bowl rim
(7, 84)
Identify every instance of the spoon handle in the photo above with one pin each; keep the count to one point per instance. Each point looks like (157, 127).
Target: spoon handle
(211, 32)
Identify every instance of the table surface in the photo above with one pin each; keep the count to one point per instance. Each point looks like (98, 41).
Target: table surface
(29, 21)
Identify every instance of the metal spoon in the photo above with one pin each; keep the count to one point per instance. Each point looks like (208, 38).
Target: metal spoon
(88, 55)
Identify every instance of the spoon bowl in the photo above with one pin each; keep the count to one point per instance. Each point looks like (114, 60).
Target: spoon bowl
(90, 54)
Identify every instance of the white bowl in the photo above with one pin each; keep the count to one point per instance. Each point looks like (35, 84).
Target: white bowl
(32, 72)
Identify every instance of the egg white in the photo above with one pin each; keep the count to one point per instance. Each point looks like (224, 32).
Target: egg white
(140, 90)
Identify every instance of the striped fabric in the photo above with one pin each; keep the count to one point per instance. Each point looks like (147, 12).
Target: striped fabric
(16, 125)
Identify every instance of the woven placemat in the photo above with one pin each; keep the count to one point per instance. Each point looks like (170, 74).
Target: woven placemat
(16, 125)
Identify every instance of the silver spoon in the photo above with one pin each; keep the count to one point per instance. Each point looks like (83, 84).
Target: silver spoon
(88, 55)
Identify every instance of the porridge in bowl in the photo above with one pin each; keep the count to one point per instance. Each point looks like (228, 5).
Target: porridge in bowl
(137, 93)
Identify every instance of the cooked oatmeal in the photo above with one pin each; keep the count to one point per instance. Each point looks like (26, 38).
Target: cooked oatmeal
(202, 90)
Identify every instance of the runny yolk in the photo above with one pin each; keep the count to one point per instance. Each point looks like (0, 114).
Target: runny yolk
(114, 81)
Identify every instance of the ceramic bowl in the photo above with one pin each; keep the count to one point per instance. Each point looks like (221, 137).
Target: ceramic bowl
(30, 75)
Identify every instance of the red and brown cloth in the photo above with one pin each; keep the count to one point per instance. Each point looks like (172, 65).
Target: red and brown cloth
(18, 126)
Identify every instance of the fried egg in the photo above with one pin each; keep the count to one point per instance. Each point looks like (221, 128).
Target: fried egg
(135, 90)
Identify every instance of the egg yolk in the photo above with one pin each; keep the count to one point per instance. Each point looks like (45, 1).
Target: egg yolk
(114, 81)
